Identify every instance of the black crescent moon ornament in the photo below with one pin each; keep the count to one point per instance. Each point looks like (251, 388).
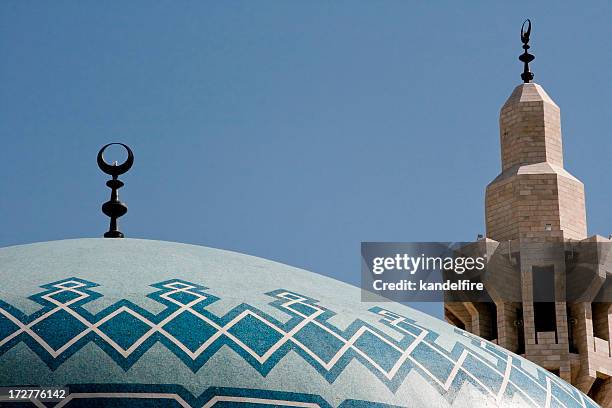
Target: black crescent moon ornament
(115, 170)
(114, 208)
(526, 57)
(525, 34)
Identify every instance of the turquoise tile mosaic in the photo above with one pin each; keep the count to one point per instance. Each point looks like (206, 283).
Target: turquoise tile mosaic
(196, 335)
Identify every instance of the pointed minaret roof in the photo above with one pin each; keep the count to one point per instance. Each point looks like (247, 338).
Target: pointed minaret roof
(529, 92)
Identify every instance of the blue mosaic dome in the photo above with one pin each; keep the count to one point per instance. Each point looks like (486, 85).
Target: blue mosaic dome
(126, 322)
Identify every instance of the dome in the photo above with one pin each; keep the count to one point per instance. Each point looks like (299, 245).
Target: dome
(127, 322)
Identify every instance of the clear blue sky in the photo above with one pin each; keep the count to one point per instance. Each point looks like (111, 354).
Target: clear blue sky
(283, 129)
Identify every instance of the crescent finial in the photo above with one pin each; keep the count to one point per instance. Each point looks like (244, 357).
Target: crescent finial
(114, 169)
(526, 57)
(114, 208)
(526, 33)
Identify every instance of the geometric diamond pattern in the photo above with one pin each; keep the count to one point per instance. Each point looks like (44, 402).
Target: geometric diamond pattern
(124, 329)
(319, 341)
(255, 334)
(58, 328)
(188, 329)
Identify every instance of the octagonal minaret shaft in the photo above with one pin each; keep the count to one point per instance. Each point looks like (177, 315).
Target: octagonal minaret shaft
(534, 196)
(530, 128)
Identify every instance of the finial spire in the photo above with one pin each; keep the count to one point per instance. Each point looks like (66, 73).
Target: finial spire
(114, 208)
(526, 57)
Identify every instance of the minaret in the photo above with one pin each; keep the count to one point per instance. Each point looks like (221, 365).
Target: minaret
(533, 195)
(536, 242)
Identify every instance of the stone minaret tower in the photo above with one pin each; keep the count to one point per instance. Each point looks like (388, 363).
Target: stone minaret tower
(533, 194)
(535, 220)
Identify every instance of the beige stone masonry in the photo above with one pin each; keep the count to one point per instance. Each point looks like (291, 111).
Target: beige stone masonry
(534, 193)
(530, 128)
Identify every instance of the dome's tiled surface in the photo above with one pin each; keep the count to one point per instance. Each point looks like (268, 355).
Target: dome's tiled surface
(147, 323)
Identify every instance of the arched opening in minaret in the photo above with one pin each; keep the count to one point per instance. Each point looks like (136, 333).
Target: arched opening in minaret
(544, 316)
(488, 311)
(601, 327)
(544, 310)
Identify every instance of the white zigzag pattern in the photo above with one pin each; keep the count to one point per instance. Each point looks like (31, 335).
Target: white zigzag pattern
(291, 299)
